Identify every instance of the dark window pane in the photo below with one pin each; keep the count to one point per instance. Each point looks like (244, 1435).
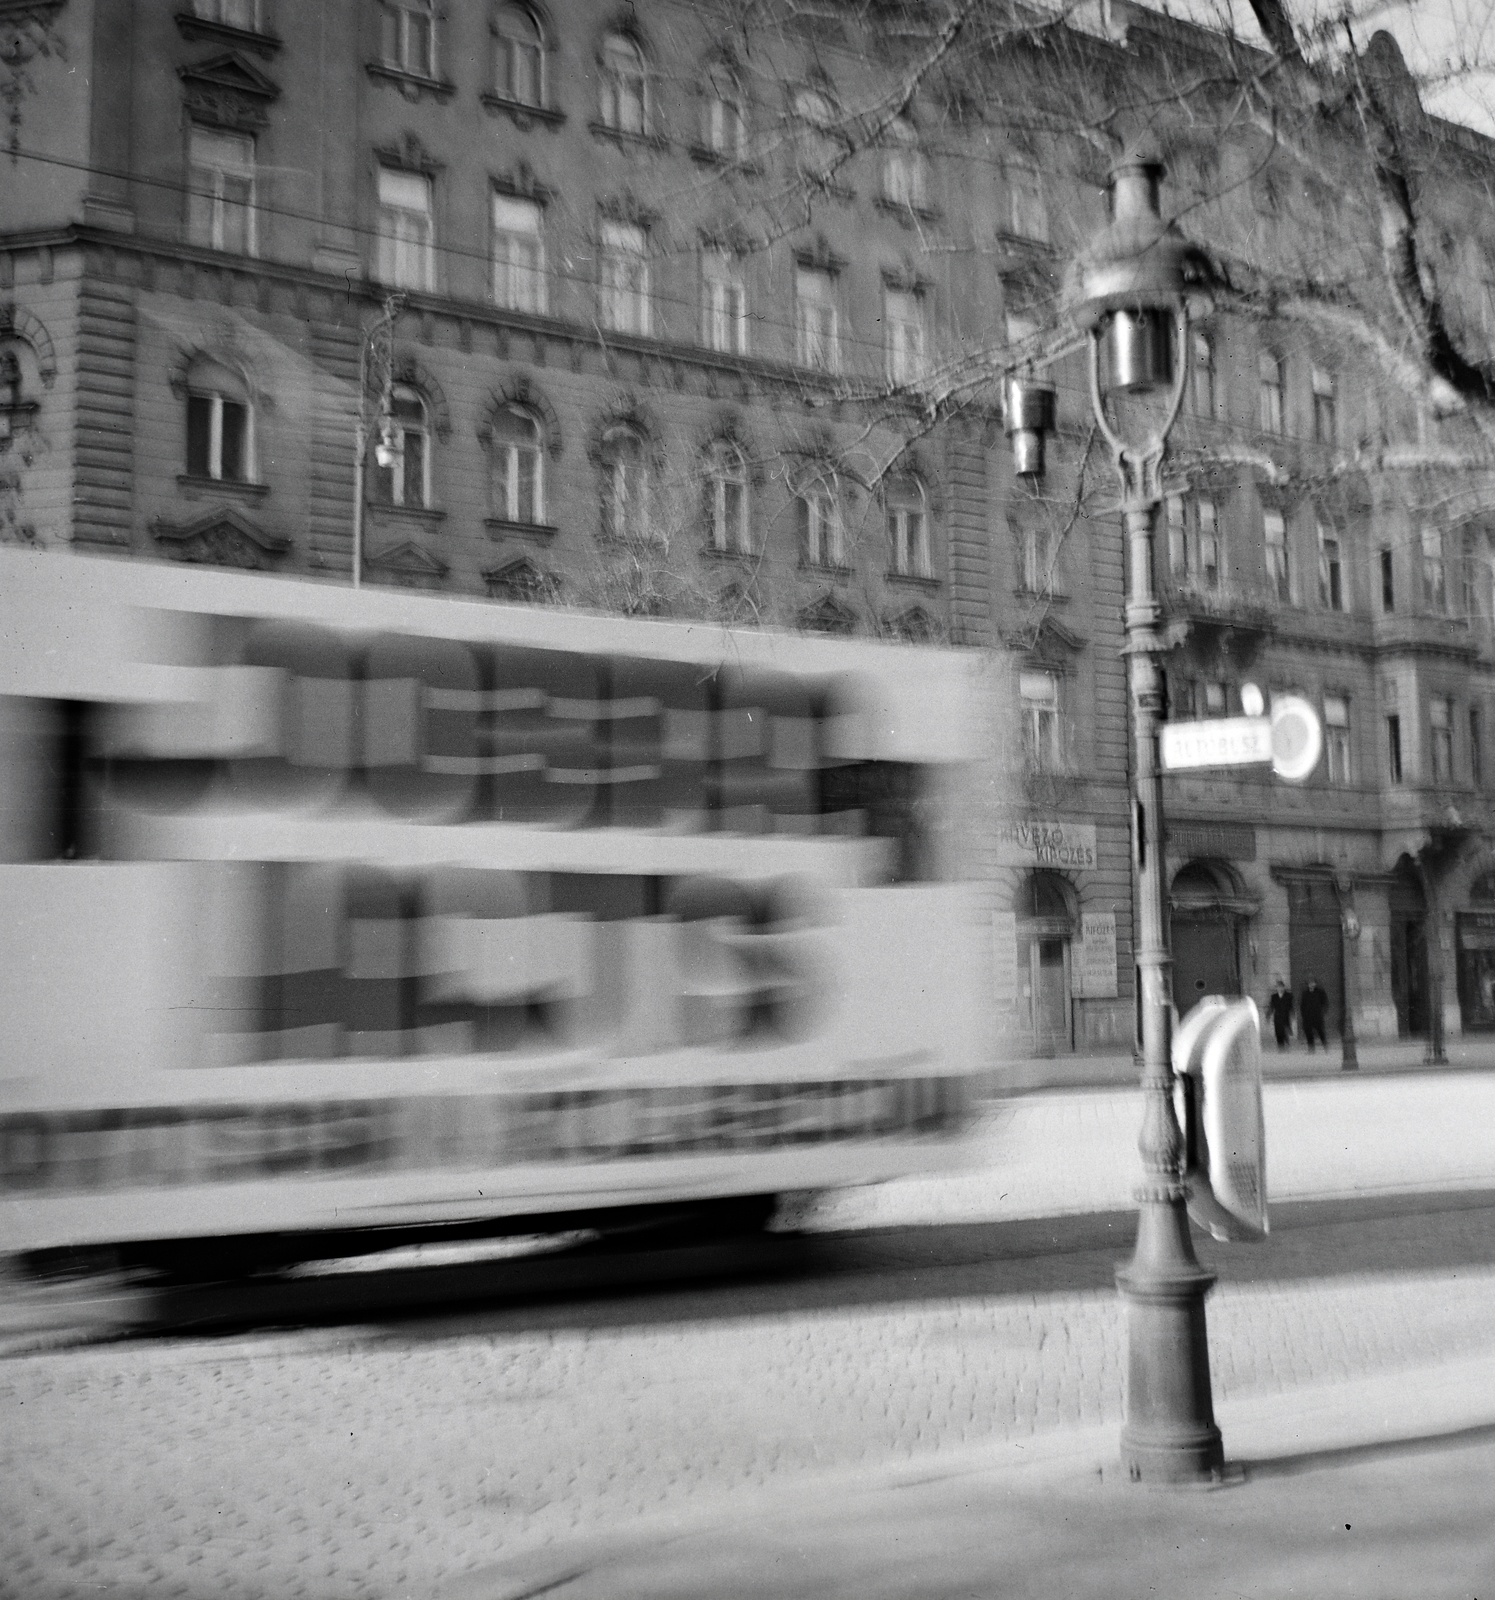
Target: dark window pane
(199, 435)
(235, 432)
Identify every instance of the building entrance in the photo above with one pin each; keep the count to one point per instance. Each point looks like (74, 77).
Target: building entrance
(1205, 947)
(1046, 924)
(1409, 956)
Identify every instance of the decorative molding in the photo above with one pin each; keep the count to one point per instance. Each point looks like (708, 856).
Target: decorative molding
(409, 564)
(523, 184)
(229, 92)
(828, 614)
(410, 84)
(916, 624)
(626, 410)
(627, 207)
(535, 532)
(523, 116)
(195, 488)
(408, 370)
(18, 323)
(524, 581)
(627, 141)
(193, 27)
(222, 537)
(522, 392)
(409, 155)
(819, 255)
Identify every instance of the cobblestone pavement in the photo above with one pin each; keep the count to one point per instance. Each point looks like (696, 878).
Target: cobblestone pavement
(383, 1461)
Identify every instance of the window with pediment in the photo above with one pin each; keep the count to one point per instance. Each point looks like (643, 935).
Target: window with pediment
(519, 56)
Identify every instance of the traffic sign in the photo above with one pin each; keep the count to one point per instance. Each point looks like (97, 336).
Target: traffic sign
(1297, 738)
(1217, 742)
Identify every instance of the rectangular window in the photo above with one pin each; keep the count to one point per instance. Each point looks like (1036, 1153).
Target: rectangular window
(1040, 711)
(409, 37)
(821, 537)
(1476, 748)
(1394, 748)
(243, 14)
(1178, 539)
(1279, 565)
(1434, 573)
(1213, 699)
(724, 323)
(405, 230)
(625, 278)
(1028, 212)
(1325, 417)
(903, 323)
(1272, 387)
(1440, 726)
(217, 438)
(1331, 576)
(1203, 397)
(518, 254)
(1388, 582)
(220, 198)
(1037, 566)
(1211, 567)
(815, 319)
(1337, 739)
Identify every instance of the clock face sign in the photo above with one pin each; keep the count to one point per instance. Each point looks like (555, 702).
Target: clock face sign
(1297, 738)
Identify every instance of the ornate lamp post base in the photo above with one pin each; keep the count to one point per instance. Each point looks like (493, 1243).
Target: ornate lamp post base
(1170, 1434)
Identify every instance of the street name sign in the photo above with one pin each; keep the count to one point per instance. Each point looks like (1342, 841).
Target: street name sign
(1218, 742)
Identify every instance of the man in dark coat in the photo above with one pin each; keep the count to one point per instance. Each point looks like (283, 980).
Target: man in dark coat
(1313, 1008)
(1280, 1010)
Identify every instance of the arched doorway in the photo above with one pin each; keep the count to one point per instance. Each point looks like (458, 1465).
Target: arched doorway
(1206, 905)
(1046, 910)
(1476, 929)
(1315, 936)
(1409, 955)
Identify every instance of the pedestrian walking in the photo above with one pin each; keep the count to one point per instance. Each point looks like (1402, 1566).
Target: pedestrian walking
(1280, 1010)
(1313, 1008)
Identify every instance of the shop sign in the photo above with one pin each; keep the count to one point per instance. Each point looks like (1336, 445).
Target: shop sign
(1094, 964)
(1225, 841)
(1476, 930)
(1037, 842)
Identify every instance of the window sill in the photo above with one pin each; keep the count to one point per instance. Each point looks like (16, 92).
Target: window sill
(194, 488)
(521, 114)
(430, 515)
(411, 84)
(912, 580)
(1026, 242)
(502, 528)
(909, 215)
(1056, 596)
(625, 140)
(191, 27)
(708, 157)
(826, 569)
(713, 552)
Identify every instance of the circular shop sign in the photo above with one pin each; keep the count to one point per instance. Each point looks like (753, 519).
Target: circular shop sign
(1297, 738)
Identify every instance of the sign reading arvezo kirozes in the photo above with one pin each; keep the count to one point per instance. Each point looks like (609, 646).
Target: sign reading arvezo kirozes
(1036, 842)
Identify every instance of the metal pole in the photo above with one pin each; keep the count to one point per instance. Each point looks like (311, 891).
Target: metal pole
(1169, 1434)
(360, 455)
(1349, 934)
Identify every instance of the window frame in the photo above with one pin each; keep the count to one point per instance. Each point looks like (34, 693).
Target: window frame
(726, 470)
(514, 453)
(214, 193)
(1440, 738)
(817, 335)
(1027, 202)
(1207, 405)
(906, 498)
(1271, 392)
(624, 89)
(1041, 714)
(1325, 407)
(391, 245)
(403, 429)
(1279, 571)
(822, 522)
(1211, 574)
(218, 403)
(724, 327)
(396, 25)
(626, 485)
(624, 278)
(723, 93)
(1433, 558)
(1339, 765)
(904, 359)
(215, 11)
(512, 46)
(904, 179)
(509, 294)
(1332, 587)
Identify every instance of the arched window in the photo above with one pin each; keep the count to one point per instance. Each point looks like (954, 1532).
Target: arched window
(822, 533)
(903, 171)
(908, 526)
(724, 117)
(518, 467)
(402, 452)
(625, 484)
(727, 498)
(518, 56)
(220, 431)
(625, 85)
(17, 408)
(408, 36)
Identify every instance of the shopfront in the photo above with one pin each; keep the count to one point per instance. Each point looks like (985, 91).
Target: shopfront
(1475, 933)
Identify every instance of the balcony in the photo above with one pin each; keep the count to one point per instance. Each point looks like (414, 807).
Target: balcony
(1401, 632)
(1224, 621)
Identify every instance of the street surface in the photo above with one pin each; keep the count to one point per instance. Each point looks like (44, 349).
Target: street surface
(930, 1325)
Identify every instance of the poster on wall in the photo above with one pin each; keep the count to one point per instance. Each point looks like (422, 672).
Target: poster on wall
(1094, 965)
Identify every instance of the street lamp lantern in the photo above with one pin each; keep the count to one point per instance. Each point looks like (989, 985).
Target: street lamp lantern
(1133, 290)
(1028, 407)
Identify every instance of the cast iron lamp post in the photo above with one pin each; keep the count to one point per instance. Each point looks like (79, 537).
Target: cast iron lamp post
(1131, 289)
(375, 370)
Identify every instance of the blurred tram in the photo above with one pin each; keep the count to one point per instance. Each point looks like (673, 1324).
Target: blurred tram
(328, 909)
